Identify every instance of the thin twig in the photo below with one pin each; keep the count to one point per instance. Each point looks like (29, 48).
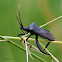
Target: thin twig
(2, 40)
(26, 49)
(33, 47)
(49, 53)
(51, 21)
(30, 39)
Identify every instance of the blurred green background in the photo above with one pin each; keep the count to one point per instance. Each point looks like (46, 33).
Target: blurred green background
(38, 11)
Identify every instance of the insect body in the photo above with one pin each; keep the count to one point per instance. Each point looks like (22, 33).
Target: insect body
(37, 31)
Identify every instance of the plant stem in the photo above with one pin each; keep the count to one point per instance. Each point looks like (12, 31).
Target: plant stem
(30, 39)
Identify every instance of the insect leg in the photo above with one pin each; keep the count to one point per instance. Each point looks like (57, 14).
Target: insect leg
(39, 45)
(21, 34)
(27, 38)
(46, 45)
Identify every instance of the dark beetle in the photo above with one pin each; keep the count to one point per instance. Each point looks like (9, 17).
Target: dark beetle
(37, 31)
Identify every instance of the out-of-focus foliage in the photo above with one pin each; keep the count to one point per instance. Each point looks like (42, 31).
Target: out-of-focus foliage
(38, 11)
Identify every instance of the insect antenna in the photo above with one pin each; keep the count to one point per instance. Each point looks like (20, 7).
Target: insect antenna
(20, 23)
(18, 20)
(19, 16)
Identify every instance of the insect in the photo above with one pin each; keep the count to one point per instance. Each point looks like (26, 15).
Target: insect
(33, 29)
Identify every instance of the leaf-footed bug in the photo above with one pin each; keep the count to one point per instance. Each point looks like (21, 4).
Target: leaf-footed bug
(33, 29)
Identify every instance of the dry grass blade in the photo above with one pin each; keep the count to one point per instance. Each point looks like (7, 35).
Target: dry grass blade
(7, 39)
(31, 39)
(27, 48)
(2, 40)
(34, 47)
(51, 21)
(49, 53)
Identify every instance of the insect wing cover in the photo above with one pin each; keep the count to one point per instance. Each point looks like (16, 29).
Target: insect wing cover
(43, 33)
